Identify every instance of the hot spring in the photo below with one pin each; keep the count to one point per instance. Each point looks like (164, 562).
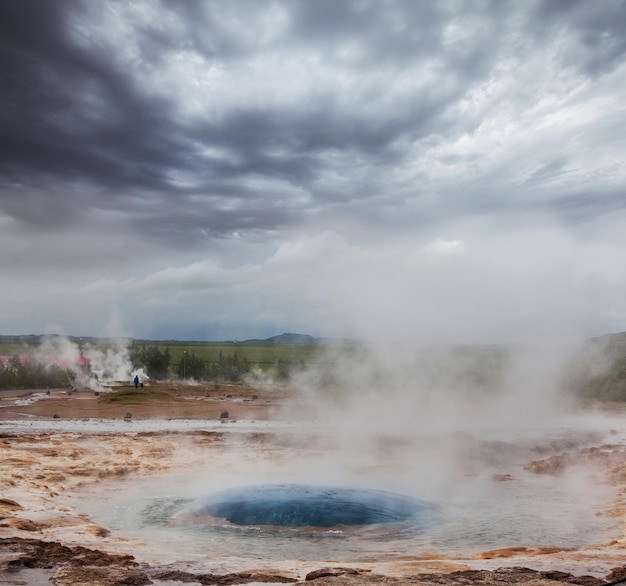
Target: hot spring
(308, 506)
(262, 495)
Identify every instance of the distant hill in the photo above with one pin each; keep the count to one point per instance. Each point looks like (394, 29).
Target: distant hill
(288, 338)
(599, 372)
(614, 345)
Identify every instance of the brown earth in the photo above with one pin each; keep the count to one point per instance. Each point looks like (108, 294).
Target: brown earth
(46, 538)
(173, 401)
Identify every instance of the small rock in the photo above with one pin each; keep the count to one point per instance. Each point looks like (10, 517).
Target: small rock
(502, 477)
(98, 531)
(334, 572)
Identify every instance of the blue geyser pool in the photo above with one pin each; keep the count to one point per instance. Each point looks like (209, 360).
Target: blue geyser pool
(310, 506)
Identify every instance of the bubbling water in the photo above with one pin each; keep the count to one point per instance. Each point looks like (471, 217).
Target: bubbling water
(296, 505)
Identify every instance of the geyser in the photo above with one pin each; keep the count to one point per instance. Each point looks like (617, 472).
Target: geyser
(295, 505)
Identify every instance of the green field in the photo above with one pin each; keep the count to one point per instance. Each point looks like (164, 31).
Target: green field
(217, 361)
(261, 352)
(8, 348)
(263, 355)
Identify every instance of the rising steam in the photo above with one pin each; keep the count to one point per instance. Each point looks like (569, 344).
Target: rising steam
(91, 367)
(438, 415)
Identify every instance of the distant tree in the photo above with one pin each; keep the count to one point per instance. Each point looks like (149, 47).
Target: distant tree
(190, 366)
(229, 368)
(285, 368)
(29, 374)
(610, 386)
(152, 360)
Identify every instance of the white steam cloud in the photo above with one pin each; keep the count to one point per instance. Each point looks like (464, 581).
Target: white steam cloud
(438, 414)
(91, 366)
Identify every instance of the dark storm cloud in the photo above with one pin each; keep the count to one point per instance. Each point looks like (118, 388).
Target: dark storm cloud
(215, 166)
(69, 115)
(81, 131)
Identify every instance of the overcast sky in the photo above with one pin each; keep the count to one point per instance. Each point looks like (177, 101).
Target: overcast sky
(447, 171)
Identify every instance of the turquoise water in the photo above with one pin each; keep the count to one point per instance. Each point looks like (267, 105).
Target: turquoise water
(452, 471)
(312, 506)
(532, 511)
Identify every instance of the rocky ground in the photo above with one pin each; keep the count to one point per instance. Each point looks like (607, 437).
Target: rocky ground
(163, 400)
(46, 537)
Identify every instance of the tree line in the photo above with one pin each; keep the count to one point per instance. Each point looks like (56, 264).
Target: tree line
(18, 373)
(228, 368)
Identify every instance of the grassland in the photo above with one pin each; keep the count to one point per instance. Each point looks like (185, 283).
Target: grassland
(257, 353)
(162, 359)
(137, 397)
(598, 373)
(261, 354)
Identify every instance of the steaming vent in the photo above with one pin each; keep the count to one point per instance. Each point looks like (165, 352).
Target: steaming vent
(294, 505)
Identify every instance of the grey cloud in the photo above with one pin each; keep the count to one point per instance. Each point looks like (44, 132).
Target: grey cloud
(377, 121)
(69, 112)
(585, 205)
(549, 171)
(182, 226)
(594, 32)
(138, 129)
(74, 115)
